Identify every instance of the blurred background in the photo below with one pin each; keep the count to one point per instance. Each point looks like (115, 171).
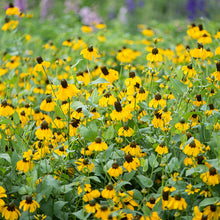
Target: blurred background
(130, 12)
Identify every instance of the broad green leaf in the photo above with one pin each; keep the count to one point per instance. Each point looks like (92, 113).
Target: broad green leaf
(178, 86)
(98, 81)
(145, 181)
(6, 157)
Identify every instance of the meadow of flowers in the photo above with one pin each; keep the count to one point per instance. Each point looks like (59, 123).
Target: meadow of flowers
(96, 123)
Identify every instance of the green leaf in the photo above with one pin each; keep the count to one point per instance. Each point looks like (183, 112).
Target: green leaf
(59, 113)
(6, 121)
(77, 104)
(188, 142)
(118, 187)
(109, 133)
(58, 206)
(16, 118)
(6, 157)
(98, 81)
(128, 176)
(209, 201)
(95, 96)
(178, 86)
(90, 132)
(152, 161)
(145, 165)
(145, 182)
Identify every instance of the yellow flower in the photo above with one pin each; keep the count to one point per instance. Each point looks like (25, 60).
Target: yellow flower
(212, 211)
(42, 65)
(24, 165)
(108, 192)
(125, 131)
(131, 163)
(100, 26)
(154, 56)
(44, 131)
(86, 29)
(12, 10)
(132, 149)
(103, 213)
(211, 177)
(92, 206)
(177, 202)
(48, 105)
(206, 193)
(3, 71)
(157, 101)
(40, 217)
(182, 125)
(109, 75)
(29, 204)
(148, 32)
(89, 53)
(161, 149)
(66, 91)
(115, 170)
(98, 145)
(10, 212)
(61, 151)
(2, 192)
(91, 195)
(191, 190)
(84, 165)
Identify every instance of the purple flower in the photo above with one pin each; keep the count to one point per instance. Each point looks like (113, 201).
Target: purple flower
(191, 9)
(21, 4)
(130, 5)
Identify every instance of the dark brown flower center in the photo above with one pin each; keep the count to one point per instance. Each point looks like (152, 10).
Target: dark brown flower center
(165, 195)
(75, 122)
(98, 140)
(200, 159)
(29, 199)
(158, 96)
(218, 66)
(189, 66)
(155, 51)
(86, 161)
(192, 144)
(118, 107)
(157, 114)
(212, 171)
(44, 125)
(211, 106)
(79, 110)
(141, 90)
(110, 187)
(131, 74)
(182, 121)
(126, 128)
(80, 74)
(199, 97)
(213, 208)
(129, 158)
(11, 207)
(39, 60)
(104, 208)
(61, 149)
(177, 197)
(200, 45)
(133, 145)
(152, 200)
(90, 49)
(49, 99)
(115, 165)
(23, 113)
(104, 70)
(64, 83)
(204, 217)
